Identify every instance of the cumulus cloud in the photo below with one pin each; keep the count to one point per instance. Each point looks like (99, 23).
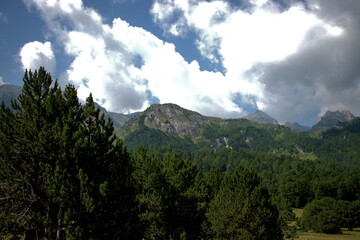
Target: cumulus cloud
(289, 61)
(294, 61)
(36, 54)
(324, 73)
(106, 63)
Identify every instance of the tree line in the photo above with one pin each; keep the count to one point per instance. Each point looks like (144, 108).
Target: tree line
(64, 175)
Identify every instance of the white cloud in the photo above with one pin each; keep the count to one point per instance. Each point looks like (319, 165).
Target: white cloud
(259, 3)
(104, 64)
(241, 40)
(36, 54)
(257, 47)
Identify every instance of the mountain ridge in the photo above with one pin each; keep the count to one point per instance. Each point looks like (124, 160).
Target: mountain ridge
(262, 117)
(297, 127)
(331, 118)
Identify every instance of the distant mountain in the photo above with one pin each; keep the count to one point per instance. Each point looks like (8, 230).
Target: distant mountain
(261, 117)
(169, 126)
(331, 118)
(170, 119)
(297, 127)
(118, 119)
(173, 126)
(8, 92)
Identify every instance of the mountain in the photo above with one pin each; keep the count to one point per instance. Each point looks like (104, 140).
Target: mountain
(8, 92)
(118, 119)
(169, 126)
(168, 118)
(261, 117)
(297, 127)
(331, 118)
(173, 126)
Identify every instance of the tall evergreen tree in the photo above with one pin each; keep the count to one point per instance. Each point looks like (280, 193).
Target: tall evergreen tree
(242, 209)
(151, 192)
(63, 175)
(186, 208)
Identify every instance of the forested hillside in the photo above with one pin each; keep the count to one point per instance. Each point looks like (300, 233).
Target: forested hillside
(177, 128)
(64, 175)
(175, 175)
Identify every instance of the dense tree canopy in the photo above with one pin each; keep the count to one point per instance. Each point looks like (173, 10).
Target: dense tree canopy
(65, 175)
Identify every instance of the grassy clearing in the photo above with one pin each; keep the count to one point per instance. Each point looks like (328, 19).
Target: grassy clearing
(298, 212)
(346, 235)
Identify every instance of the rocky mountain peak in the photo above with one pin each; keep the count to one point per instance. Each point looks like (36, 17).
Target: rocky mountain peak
(342, 116)
(331, 118)
(173, 119)
(261, 117)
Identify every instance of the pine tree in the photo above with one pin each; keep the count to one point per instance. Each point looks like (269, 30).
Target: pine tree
(242, 209)
(63, 174)
(186, 198)
(151, 191)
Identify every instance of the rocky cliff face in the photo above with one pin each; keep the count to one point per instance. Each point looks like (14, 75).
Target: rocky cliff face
(174, 120)
(331, 118)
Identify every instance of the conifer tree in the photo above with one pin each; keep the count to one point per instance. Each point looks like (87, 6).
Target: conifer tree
(63, 173)
(242, 209)
(186, 199)
(151, 192)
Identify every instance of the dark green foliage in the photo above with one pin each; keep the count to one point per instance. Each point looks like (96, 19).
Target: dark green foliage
(349, 213)
(297, 181)
(151, 193)
(327, 215)
(338, 144)
(152, 138)
(322, 216)
(241, 209)
(186, 199)
(63, 175)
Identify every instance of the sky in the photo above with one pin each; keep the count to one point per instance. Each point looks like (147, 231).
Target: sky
(293, 59)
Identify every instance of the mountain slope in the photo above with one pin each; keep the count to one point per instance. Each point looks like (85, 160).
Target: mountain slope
(8, 92)
(194, 130)
(297, 127)
(331, 118)
(261, 117)
(118, 119)
(173, 127)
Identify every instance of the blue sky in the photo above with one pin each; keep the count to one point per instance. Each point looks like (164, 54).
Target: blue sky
(292, 59)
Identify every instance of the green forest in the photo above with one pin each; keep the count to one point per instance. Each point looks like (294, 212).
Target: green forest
(65, 174)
